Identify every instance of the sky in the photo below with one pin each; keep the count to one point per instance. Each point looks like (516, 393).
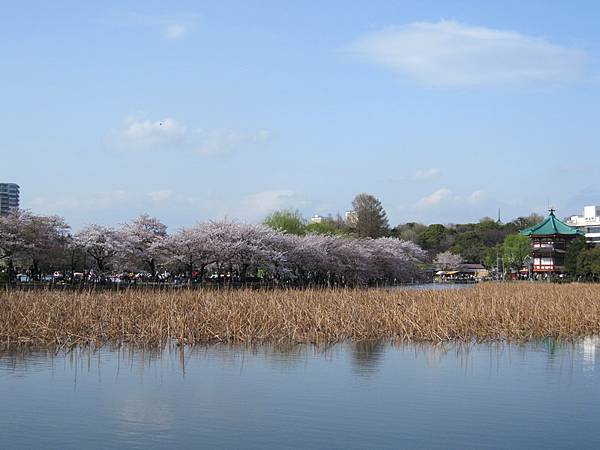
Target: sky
(447, 111)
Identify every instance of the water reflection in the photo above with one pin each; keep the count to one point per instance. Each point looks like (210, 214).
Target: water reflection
(367, 357)
(357, 395)
(590, 346)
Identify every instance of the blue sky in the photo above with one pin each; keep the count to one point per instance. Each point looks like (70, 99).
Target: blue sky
(189, 111)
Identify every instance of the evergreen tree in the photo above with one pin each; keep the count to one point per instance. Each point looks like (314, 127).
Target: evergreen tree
(575, 248)
(371, 219)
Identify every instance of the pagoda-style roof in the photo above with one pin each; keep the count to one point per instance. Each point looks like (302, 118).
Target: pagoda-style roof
(551, 226)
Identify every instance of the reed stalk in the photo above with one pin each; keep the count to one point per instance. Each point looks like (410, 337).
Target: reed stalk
(487, 312)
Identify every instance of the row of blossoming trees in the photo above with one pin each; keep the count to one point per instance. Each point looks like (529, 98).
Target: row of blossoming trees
(229, 250)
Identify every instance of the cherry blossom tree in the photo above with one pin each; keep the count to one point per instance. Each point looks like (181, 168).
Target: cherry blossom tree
(193, 247)
(238, 249)
(352, 258)
(12, 237)
(447, 261)
(245, 246)
(101, 243)
(307, 258)
(32, 240)
(395, 259)
(47, 238)
(143, 243)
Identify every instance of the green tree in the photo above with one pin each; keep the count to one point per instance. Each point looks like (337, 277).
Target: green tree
(520, 223)
(371, 218)
(469, 245)
(409, 231)
(435, 237)
(490, 256)
(588, 263)
(575, 248)
(487, 223)
(514, 250)
(325, 227)
(287, 220)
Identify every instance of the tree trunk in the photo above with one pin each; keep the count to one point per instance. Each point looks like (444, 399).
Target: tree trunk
(190, 272)
(243, 271)
(35, 268)
(11, 271)
(202, 268)
(152, 266)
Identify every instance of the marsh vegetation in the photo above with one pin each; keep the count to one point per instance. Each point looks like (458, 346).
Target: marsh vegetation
(487, 312)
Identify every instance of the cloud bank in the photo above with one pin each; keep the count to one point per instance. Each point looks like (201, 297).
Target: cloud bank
(434, 198)
(169, 134)
(265, 202)
(447, 197)
(448, 53)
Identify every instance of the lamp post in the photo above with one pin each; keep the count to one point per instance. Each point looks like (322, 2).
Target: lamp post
(499, 267)
(529, 261)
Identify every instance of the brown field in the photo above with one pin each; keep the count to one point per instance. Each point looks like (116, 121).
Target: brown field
(487, 312)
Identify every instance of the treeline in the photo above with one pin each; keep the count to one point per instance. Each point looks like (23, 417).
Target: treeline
(359, 249)
(482, 242)
(224, 250)
(582, 260)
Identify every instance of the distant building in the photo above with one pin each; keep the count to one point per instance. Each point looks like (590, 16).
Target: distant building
(9, 197)
(317, 219)
(589, 223)
(351, 217)
(476, 271)
(549, 241)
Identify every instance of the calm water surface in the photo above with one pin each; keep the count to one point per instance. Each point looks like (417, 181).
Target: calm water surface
(348, 396)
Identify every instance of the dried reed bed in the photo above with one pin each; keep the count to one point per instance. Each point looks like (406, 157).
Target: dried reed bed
(489, 312)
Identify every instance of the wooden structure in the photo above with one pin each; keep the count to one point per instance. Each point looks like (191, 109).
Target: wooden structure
(549, 241)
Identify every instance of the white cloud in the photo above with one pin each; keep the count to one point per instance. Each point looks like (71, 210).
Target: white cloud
(435, 197)
(145, 133)
(160, 195)
(168, 134)
(427, 173)
(268, 201)
(171, 26)
(175, 31)
(476, 196)
(449, 53)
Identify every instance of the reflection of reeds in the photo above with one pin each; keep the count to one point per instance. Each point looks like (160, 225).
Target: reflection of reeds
(487, 312)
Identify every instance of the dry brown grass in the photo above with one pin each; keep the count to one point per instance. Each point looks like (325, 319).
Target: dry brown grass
(484, 313)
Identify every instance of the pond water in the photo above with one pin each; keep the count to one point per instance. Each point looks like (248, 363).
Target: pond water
(436, 286)
(376, 396)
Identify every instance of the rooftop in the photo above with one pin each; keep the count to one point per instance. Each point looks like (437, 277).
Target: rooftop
(551, 226)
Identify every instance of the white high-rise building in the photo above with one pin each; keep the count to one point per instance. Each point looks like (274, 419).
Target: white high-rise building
(9, 197)
(589, 223)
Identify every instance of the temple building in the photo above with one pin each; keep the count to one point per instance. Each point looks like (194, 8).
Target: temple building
(549, 241)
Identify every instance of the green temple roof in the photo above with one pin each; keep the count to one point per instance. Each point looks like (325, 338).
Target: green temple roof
(552, 226)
